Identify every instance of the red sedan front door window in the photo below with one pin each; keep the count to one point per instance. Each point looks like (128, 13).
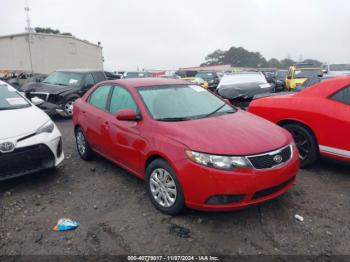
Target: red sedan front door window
(126, 143)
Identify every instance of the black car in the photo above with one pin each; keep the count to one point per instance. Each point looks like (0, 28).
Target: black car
(112, 76)
(269, 75)
(186, 73)
(137, 74)
(279, 80)
(211, 77)
(312, 81)
(60, 89)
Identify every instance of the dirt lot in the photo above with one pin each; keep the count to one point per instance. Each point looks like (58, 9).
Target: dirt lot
(117, 218)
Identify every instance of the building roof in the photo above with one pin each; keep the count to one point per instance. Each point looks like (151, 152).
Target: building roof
(49, 35)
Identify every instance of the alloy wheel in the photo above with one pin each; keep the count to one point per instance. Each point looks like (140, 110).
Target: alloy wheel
(163, 187)
(68, 107)
(302, 142)
(81, 143)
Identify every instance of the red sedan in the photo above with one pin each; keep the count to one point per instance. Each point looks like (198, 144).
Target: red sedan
(192, 148)
(317, 117)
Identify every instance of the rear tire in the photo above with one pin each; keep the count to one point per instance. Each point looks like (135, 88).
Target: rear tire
(163, 188)
(306, 143)
(83, 146)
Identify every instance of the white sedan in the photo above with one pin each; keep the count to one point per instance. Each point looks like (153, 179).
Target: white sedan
(29, 140)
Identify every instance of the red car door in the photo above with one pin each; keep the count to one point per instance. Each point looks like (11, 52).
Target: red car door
(95, 114)
(126, 144)
(335, 124)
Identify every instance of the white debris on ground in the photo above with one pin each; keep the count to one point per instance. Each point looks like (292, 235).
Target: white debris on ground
(299, 218)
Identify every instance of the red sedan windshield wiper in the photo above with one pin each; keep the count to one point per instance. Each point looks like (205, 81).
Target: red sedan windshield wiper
(174, 119)
(216, 110)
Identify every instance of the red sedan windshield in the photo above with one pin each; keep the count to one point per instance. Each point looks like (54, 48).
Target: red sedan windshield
(182, 102)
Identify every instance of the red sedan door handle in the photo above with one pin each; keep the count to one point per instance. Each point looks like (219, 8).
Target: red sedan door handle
(107, 124)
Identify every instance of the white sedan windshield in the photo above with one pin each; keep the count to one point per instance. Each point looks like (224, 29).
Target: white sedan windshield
(10, 98)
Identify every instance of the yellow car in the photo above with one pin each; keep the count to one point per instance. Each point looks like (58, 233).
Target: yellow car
(197, 81)
(298, 74)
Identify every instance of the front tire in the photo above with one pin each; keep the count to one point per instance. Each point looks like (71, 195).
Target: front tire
(83, 146)
(68, 107)
(163, 188)
(306, 143)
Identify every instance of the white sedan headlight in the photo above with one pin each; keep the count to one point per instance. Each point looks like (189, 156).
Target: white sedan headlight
(216, 161)
(48, 127)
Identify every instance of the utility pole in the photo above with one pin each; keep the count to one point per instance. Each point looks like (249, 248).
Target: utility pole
(29, 29)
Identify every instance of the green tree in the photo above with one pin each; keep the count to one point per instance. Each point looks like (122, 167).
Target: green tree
(274, 63)
(49, 30)
(46, 30)
(313, 61)
(215, 58)
(286, 63)
(236, 56)
(240, 57)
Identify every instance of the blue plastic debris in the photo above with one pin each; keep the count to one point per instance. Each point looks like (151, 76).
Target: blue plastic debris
(64, 224)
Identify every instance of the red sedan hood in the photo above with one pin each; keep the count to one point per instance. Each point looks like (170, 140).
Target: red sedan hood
(240, 133)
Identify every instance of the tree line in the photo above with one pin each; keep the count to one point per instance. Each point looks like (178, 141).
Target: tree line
(240, 57)
(48, 30)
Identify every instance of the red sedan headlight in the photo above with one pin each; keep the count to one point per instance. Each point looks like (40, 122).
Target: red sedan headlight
(217, 161)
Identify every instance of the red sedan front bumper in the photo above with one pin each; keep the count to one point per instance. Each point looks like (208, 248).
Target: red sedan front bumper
(242, 187)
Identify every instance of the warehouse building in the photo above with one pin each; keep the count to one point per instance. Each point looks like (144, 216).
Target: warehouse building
(44, 53)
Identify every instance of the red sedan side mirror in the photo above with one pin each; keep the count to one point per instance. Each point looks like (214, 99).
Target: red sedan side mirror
(127, 115)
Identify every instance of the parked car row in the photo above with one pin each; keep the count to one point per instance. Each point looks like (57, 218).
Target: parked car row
(336, 69)
(192, 147)
(19, 78)
(58, 91)
(294, 78)
(61, 88)
(211, 78)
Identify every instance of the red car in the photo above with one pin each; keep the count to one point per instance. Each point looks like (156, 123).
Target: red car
(318, 118)
(192, 148)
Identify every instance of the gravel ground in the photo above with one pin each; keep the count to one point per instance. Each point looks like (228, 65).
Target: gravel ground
(117, 217)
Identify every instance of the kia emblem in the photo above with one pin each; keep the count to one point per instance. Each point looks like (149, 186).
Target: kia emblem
(7, 147)
(277, 158)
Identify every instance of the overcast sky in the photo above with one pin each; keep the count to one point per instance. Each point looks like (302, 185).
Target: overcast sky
(165, 34)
